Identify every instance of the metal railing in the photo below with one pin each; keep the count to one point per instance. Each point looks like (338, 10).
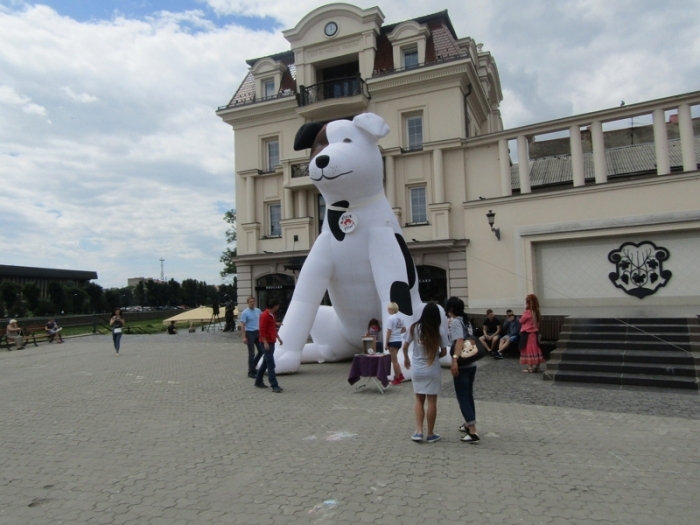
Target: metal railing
(300, 170)
(439, 60)
(332, 89)
(252, 99)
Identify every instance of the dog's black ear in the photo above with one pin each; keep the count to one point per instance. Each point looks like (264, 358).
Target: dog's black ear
(306, 135)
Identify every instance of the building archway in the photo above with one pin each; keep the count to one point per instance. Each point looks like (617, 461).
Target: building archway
(432, 284)
(278, 286)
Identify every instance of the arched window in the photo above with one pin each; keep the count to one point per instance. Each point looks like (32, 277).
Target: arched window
(432, 284)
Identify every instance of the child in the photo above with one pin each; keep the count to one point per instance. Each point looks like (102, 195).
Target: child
(375, 330)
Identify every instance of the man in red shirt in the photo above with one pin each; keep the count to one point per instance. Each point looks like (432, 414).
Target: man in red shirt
(268, 337)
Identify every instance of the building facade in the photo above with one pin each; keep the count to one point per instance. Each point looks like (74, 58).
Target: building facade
(447, 163)
(44, 276)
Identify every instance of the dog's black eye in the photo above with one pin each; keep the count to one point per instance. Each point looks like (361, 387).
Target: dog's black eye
(347, 140)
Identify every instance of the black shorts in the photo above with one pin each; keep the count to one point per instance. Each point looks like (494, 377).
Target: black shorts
(394, 344)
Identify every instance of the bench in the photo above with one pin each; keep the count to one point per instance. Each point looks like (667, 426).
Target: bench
(39, 333)
(4, 341)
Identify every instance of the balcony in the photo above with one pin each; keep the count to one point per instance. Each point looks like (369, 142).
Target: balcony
(333, 98)
(659, 156)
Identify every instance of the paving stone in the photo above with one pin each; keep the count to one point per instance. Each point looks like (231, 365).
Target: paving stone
(174, 432)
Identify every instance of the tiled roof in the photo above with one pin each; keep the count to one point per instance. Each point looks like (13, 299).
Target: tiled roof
(441, 44)
(627, 160)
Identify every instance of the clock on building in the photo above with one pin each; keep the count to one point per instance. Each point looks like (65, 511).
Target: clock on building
(330, 29)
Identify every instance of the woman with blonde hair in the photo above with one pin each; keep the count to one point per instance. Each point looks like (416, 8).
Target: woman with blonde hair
(14, 333)
(427, 338)
(394, 329)
(530, 351)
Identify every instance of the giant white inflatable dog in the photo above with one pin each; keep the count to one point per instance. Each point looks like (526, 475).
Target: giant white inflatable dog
(360, 256)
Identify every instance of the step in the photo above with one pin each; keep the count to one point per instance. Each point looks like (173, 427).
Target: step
(632, 336)
(629, 345)
(660, 369)
(619, 356)
(632, 320)
(624, 329)
(622, 379)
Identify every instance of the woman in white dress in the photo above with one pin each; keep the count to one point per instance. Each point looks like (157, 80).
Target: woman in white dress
(428, 340)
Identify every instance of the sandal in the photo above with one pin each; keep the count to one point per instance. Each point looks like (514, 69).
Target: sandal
(528, 371)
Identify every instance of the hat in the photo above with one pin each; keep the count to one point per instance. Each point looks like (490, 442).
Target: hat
(13, 321)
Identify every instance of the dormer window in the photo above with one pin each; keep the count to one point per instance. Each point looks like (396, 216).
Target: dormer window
(410, 57)
(269, 88)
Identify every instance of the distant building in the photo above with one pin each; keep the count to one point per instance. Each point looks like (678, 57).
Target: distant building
(134, 281)
(43, 276)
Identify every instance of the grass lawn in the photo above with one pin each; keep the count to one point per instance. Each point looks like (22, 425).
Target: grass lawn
(152, 326)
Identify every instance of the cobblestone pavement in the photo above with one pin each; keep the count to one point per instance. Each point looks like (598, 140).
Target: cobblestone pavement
(173, 432)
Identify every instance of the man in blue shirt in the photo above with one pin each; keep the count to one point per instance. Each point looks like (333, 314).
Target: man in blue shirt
(511, 329)
(250, 327)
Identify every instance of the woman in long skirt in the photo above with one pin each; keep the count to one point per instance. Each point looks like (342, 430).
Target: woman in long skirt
(530, 351)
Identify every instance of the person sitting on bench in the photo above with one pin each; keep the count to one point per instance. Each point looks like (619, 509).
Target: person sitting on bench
(492, 327)
(53, 330)
(14, 334)
(511, 334)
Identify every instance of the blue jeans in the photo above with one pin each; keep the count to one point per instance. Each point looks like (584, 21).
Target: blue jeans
(117, 339)
(464, 389)
(253, 339)
(269, 365)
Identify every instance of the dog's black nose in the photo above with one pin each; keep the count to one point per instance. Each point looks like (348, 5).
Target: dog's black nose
(322, 161)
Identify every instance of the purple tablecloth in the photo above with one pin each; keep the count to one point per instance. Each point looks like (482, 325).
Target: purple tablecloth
(374, 365)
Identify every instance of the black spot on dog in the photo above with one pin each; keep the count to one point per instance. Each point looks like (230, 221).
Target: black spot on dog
(400, 294)
(410, 267)
(333, 216)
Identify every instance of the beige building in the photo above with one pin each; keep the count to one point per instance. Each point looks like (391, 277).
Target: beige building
(565, 222)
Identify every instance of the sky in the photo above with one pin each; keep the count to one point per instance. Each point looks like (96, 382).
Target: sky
(112, 157)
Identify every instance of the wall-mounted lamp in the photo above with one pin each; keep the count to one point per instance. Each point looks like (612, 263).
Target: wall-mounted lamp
(491, 216)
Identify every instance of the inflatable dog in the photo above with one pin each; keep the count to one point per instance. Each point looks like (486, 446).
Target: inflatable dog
(360, 256)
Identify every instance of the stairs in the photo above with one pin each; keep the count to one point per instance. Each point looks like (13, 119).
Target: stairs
(640, 352)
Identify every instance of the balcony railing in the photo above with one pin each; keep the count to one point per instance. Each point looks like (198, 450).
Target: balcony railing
(330, 89)
(439, 60)
(252, 99)
(678, 155)
(300, 170)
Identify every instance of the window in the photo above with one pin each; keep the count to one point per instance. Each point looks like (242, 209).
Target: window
(321, 212)
(272, 154)
(414, 132)
(269, 88)
(410, 58)
(419, 211)
(275, 216)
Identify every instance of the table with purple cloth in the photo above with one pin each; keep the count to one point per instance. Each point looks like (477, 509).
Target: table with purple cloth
(375, 366)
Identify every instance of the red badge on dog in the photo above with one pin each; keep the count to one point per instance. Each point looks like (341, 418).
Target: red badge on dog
(347, 222)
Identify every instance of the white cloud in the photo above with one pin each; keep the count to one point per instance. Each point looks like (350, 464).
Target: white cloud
(79, 97)
(9, 96)
(136, 165)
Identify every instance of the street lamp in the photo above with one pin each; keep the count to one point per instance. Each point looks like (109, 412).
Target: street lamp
(491, 216)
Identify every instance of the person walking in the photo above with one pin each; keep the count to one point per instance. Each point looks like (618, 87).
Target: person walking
(427, 338)
(269, 336)
(395, 327)
(117, 323)
(250, 326)
(530, 351)
(462, 375)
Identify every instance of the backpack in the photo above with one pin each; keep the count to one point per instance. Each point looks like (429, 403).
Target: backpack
(466, 361)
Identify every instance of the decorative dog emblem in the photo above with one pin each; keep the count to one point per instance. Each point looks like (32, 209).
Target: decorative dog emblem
(639, 268)
(360, 256)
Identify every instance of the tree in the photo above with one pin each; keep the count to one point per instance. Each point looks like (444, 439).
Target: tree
(31, 293)
(229, 254)
(189, 293)
(96, 295)
(57, 295)
(113, 299)
(9, 292)
(174, 298)
(140, 293)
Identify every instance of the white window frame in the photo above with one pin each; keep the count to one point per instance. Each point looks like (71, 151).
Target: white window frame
(409, 51)
(414, 145)
(267, 93)
(271, 162)
(274, 217)
(418, 210)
